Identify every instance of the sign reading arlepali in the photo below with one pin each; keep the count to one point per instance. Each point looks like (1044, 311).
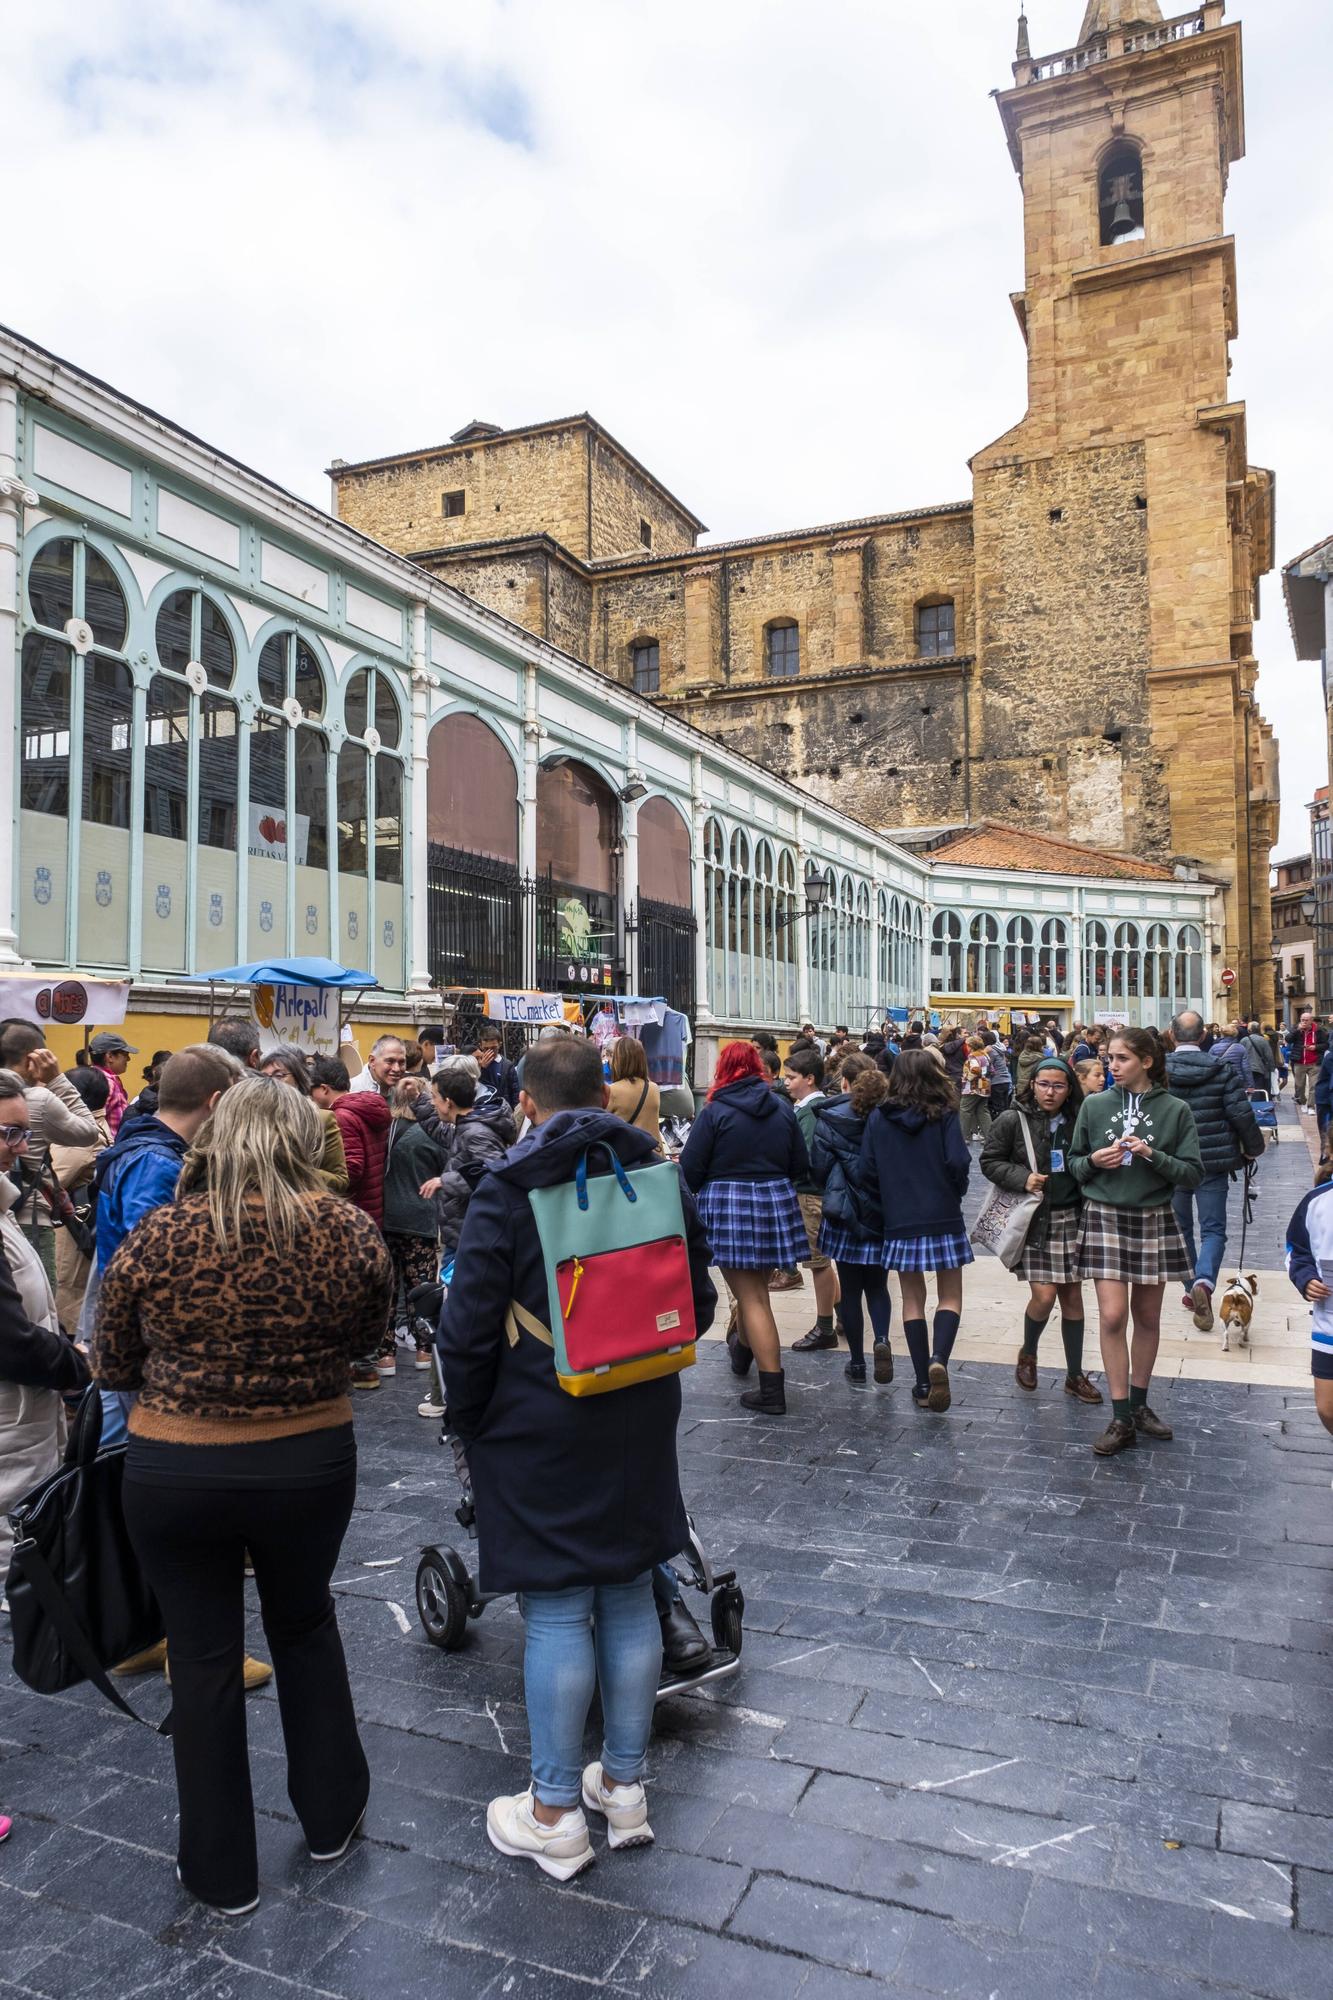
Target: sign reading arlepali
(532, 1009)
(63, 1000)
(297, 1017)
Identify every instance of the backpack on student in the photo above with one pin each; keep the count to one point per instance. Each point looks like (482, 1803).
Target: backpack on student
(619, 1292)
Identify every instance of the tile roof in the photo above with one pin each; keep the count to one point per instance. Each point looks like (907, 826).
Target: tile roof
(992, 845)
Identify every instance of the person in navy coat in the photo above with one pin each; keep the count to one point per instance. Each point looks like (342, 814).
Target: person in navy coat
(577, 1497)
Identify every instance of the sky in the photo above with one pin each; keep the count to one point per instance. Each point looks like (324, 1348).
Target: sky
(769, 245)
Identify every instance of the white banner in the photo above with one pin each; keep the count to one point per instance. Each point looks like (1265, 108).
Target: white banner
(1111, 1020)
(529, 1008)
(268, 834)
(297, 1017)
(63, 1000)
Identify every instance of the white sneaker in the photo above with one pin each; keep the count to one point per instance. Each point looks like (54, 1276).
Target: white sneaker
(625, 1809)
(562, 1850)
(430, 1408)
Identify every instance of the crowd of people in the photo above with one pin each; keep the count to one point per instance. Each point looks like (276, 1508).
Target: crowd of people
(256, 1235)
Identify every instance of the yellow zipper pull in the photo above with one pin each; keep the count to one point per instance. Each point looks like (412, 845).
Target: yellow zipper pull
(578, 1273)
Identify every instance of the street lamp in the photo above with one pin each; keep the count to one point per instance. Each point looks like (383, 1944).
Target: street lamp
(1309, 908)
(818, 889)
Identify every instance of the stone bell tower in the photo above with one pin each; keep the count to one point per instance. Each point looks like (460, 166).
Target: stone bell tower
(1120, 530)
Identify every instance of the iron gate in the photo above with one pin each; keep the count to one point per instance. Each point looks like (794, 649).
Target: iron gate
(475, 919)
(666, 953)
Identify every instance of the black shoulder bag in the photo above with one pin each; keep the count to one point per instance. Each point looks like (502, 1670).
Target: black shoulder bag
(78, 1599)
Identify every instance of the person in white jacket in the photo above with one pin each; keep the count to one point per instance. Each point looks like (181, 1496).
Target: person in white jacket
(37, 1362)
(57, 1116)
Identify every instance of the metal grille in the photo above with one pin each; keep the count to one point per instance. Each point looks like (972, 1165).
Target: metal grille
(475, 918)
(666, 954)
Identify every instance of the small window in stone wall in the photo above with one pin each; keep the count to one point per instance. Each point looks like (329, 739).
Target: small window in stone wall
(647, 660)
(934, 629)
(782, 650)
(453, 504)
(646, 534)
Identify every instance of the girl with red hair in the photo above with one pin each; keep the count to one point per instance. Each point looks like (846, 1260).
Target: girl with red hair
(743, 1154)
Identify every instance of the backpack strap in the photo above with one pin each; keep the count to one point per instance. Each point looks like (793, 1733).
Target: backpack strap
(519, 1319)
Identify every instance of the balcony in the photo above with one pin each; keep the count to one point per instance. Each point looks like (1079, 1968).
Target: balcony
(1105, 48)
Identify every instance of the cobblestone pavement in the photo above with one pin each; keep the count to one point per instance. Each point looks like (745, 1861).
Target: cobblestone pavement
(1011, 1723)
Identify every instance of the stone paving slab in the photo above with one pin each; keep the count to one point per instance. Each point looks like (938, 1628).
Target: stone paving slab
(1012, 1721)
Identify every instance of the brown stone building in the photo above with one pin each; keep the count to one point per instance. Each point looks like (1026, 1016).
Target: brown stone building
(1071, 649)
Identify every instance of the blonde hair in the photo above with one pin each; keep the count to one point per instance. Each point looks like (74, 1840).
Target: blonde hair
(262, 1138)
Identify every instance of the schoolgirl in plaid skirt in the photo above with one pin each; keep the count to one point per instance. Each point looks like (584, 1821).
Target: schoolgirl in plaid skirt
(1133, 1146)
(1040, 1129)
(922, 1164)
(851, 1229)
(740, 1161)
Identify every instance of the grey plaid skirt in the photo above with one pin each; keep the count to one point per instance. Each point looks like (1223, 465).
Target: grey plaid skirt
(1056, 1262)
(1135, 1246)
(753, 1225)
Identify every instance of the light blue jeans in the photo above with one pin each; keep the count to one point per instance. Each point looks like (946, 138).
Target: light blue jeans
(1211, 1197)
(606, 1636)
(116, 1407)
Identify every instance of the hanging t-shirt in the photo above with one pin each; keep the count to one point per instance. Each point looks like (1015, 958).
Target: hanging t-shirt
(665, 1045)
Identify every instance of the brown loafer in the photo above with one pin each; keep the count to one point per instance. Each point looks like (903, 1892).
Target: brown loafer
(1151, 1424)
(814, 1342)
(938, 1397)
(1025, 1374)
(786, 1281)
(1118, 1436)
(1079, 1385)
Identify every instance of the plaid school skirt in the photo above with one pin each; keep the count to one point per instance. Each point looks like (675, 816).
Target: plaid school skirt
(947, 1252)
(1134, 1246)
(1056, 1262)
(844, 1246)
(753, 1225)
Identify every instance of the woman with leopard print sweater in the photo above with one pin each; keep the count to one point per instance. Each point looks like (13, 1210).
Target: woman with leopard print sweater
(236, 1312)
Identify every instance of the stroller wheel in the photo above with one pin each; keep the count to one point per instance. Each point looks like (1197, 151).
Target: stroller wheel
(727, 1612)
(441, 1604)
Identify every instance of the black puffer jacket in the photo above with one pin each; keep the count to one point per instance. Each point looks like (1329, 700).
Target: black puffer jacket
(469, 1146)
(851, 1194)
(1228, 1133)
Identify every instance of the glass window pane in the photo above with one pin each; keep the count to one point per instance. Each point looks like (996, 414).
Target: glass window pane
(218, 772)
(309, 685)
(216, 652)
(166, 759)
(312, 799)
(273, 669)
(388, 716)
(266, 834)
(174, 625)
(471, 790)
(108, 704)
(356, 703)
(44, 761)
(353, 760)
(104, 602)
(51, 584)
(388, 820)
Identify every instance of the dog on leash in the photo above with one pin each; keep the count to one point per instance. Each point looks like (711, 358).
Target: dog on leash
(1237, 1309)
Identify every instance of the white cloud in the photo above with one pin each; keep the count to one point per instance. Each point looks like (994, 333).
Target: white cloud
(770, 246)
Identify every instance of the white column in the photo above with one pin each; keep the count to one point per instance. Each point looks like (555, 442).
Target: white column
(1076, 960)
(419, 980)
(704, 1011)
(629, 866)
(14, 496)
(802, 927)
(527, 821)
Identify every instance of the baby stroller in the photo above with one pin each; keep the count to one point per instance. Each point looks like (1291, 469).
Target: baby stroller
(448, 1597)
(1265, 1113)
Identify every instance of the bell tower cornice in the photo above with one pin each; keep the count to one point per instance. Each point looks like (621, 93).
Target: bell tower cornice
(1117, 58)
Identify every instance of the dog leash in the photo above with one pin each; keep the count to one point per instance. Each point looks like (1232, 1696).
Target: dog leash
(1247, 1214)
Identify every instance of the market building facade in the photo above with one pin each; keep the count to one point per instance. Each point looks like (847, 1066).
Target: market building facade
(242, 729)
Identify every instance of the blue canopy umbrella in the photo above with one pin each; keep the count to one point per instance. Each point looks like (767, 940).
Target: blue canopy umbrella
(287, 972)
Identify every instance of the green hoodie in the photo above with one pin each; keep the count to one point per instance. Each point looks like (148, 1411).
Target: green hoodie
(1164, 1121)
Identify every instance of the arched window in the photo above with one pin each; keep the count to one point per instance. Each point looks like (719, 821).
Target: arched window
(946, 952)
(289, 806)
(471, 793)
(75, 716)
(934, 628)
(1189, 968)
(983, 956)
(1157, 963)
(1020, 958)
(1054, 964)
(1126, 971)
(369, 702)
(646, 660)
(1097, 960)
(782, 649)
(1120, 195)
(883, 952)
(785, 997)
(578, 845)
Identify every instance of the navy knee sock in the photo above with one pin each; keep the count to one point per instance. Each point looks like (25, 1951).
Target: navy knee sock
(918, 1346)
(946, 1332)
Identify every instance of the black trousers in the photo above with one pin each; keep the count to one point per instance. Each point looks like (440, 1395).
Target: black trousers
(192, 1512)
